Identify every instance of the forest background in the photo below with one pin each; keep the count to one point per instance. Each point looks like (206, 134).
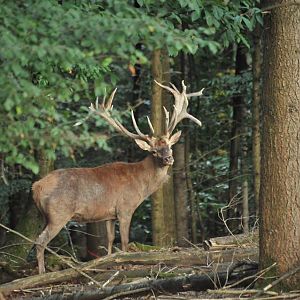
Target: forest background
(58, 56)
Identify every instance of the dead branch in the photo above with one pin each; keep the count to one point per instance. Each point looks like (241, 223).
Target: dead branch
(239, 292)
(183, 258)
(231, 241)
(52, 252)
(191, 282)
(278, 280)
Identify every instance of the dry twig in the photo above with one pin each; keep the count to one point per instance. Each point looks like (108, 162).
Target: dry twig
(54, 253)
(275, 282)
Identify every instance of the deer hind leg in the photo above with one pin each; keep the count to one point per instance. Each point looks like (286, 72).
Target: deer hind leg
(50, 231)
(110, 229)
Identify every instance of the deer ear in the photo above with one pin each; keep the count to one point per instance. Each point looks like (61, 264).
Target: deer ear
(143, 145)
(175, 138)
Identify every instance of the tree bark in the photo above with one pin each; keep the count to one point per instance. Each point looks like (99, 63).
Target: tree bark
(163, 214)
(180, 175)
(30, 223)
(256, 95)
(234, 212)
(96, 240)
(158, 233)
(244, 171)
(180, 194)
(196, 221)
(168, 187)
(280, 176)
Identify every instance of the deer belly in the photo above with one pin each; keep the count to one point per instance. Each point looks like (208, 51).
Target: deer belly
(84, 219)
(94, 213)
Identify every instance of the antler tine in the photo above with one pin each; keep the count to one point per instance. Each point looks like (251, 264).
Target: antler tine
(167, 121)
(196, 94)
(150, 125)
(126, 132)
(97, 102)
(108, 104)
(173, 121)
(192, 118)
(174, 87)
(183, 87)
(165, 87)
(142, 135)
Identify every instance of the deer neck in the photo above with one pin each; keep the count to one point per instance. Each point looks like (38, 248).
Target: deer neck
(155, 174)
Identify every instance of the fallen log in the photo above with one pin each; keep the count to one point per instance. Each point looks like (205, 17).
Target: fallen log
(232, 241)
(191, 282)
(191, 257)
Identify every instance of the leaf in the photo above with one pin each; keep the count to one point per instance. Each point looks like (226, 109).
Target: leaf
(195, 15)
(217, 12)
(106, 61)
(209, 18)
(192, 48)
(213, 47)
(8, 104)
(245, 42)
(259, 19)
(248, 23)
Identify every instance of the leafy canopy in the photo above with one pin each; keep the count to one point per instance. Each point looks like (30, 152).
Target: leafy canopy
(55, 57)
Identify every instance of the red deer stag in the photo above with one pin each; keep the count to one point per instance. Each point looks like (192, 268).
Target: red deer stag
(112, 191)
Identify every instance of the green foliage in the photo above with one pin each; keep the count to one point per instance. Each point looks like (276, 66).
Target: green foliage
(223, 22)
(56, 58)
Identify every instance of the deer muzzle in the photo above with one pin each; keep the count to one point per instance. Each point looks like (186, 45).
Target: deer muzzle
(168, 161)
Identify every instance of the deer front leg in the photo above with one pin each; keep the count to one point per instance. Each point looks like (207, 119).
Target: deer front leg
(124, 230)
(110, 229)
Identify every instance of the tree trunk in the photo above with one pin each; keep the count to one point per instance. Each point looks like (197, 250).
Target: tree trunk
(169, 201)
(180, 175)
(256, 73)
(180, 194)
(163, 215)
(30, 223)
(244, 173)
(96, 240)
(234, 212)
(245, 189)
(196, 220)
(280, 176)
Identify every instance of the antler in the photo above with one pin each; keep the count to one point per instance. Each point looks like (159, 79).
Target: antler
(104, 110)
(180, 106)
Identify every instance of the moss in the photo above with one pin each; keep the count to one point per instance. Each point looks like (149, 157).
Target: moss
(54, 263)
(142, 247)
(271, 275)
(30, 225)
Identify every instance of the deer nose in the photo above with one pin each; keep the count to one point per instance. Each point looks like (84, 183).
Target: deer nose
(168, 160)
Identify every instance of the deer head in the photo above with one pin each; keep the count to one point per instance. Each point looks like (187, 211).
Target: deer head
(159, 146)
